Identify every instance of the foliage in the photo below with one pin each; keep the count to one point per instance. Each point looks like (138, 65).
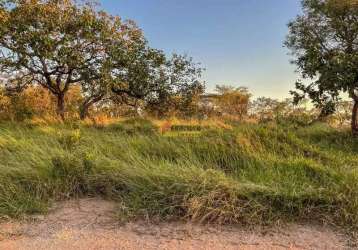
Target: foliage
(323, 41)
(36, 102)
(58, 44)
(282, 112)
(231, 100)
(343, 112)
(164, 87)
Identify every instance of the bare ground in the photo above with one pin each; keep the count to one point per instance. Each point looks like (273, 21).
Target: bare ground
(92, 224)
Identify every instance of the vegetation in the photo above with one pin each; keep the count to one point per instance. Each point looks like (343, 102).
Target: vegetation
(80, 59)
(73, 76)
(61, 44)
(324, 43)
(238, 174)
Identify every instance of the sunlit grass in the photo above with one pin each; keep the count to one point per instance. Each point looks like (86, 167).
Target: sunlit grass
(254, 174)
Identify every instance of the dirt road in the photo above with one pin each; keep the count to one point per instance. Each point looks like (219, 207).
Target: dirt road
(88, 224)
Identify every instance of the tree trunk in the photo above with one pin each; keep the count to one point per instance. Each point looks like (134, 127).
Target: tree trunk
(85, 106)
(61, 106)
(84, 111)
(355, 118)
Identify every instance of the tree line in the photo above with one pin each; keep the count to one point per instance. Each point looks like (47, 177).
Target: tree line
(62, 46)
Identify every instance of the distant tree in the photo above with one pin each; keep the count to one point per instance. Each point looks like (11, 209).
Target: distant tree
(264, 108)
(36, 101)
(343, 112)
(324, 40)
(180, 87)
(231, 100)
(282, 112)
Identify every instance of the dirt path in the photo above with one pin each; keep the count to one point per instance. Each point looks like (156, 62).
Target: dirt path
(91, 224)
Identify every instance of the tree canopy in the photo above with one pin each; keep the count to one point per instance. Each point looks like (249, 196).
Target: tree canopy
(231, 100)
(324, 42)
(58, 44)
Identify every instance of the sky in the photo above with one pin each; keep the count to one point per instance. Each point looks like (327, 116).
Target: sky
(238, 42)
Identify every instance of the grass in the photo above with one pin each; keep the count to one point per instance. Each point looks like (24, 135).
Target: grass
(252, 174)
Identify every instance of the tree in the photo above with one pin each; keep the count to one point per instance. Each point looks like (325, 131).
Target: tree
(121, 49)
(233, 100)
(136, 78)
(180, 88)
(264, 108)
(57, 44)
(324, 41)
(343, 113)
(160, 83)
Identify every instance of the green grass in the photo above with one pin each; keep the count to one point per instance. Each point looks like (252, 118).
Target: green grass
(252, 174)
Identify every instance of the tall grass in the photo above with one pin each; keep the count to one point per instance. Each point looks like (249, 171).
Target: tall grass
(243, 174)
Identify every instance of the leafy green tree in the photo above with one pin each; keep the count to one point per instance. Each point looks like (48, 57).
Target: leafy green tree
(324, 41)
(136, 77)
(161, 84)
(121, 49)
(57, 44)
(180, 87)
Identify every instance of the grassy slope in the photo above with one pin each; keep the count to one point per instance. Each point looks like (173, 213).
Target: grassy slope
(250, 174)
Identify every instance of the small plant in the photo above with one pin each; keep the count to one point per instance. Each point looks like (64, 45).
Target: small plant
(70, 139)
(88, 163)
(16, 200)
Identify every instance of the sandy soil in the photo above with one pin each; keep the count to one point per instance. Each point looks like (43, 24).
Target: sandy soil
(92, 224)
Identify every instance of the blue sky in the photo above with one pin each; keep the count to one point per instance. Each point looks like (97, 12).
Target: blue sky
(239, 42)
